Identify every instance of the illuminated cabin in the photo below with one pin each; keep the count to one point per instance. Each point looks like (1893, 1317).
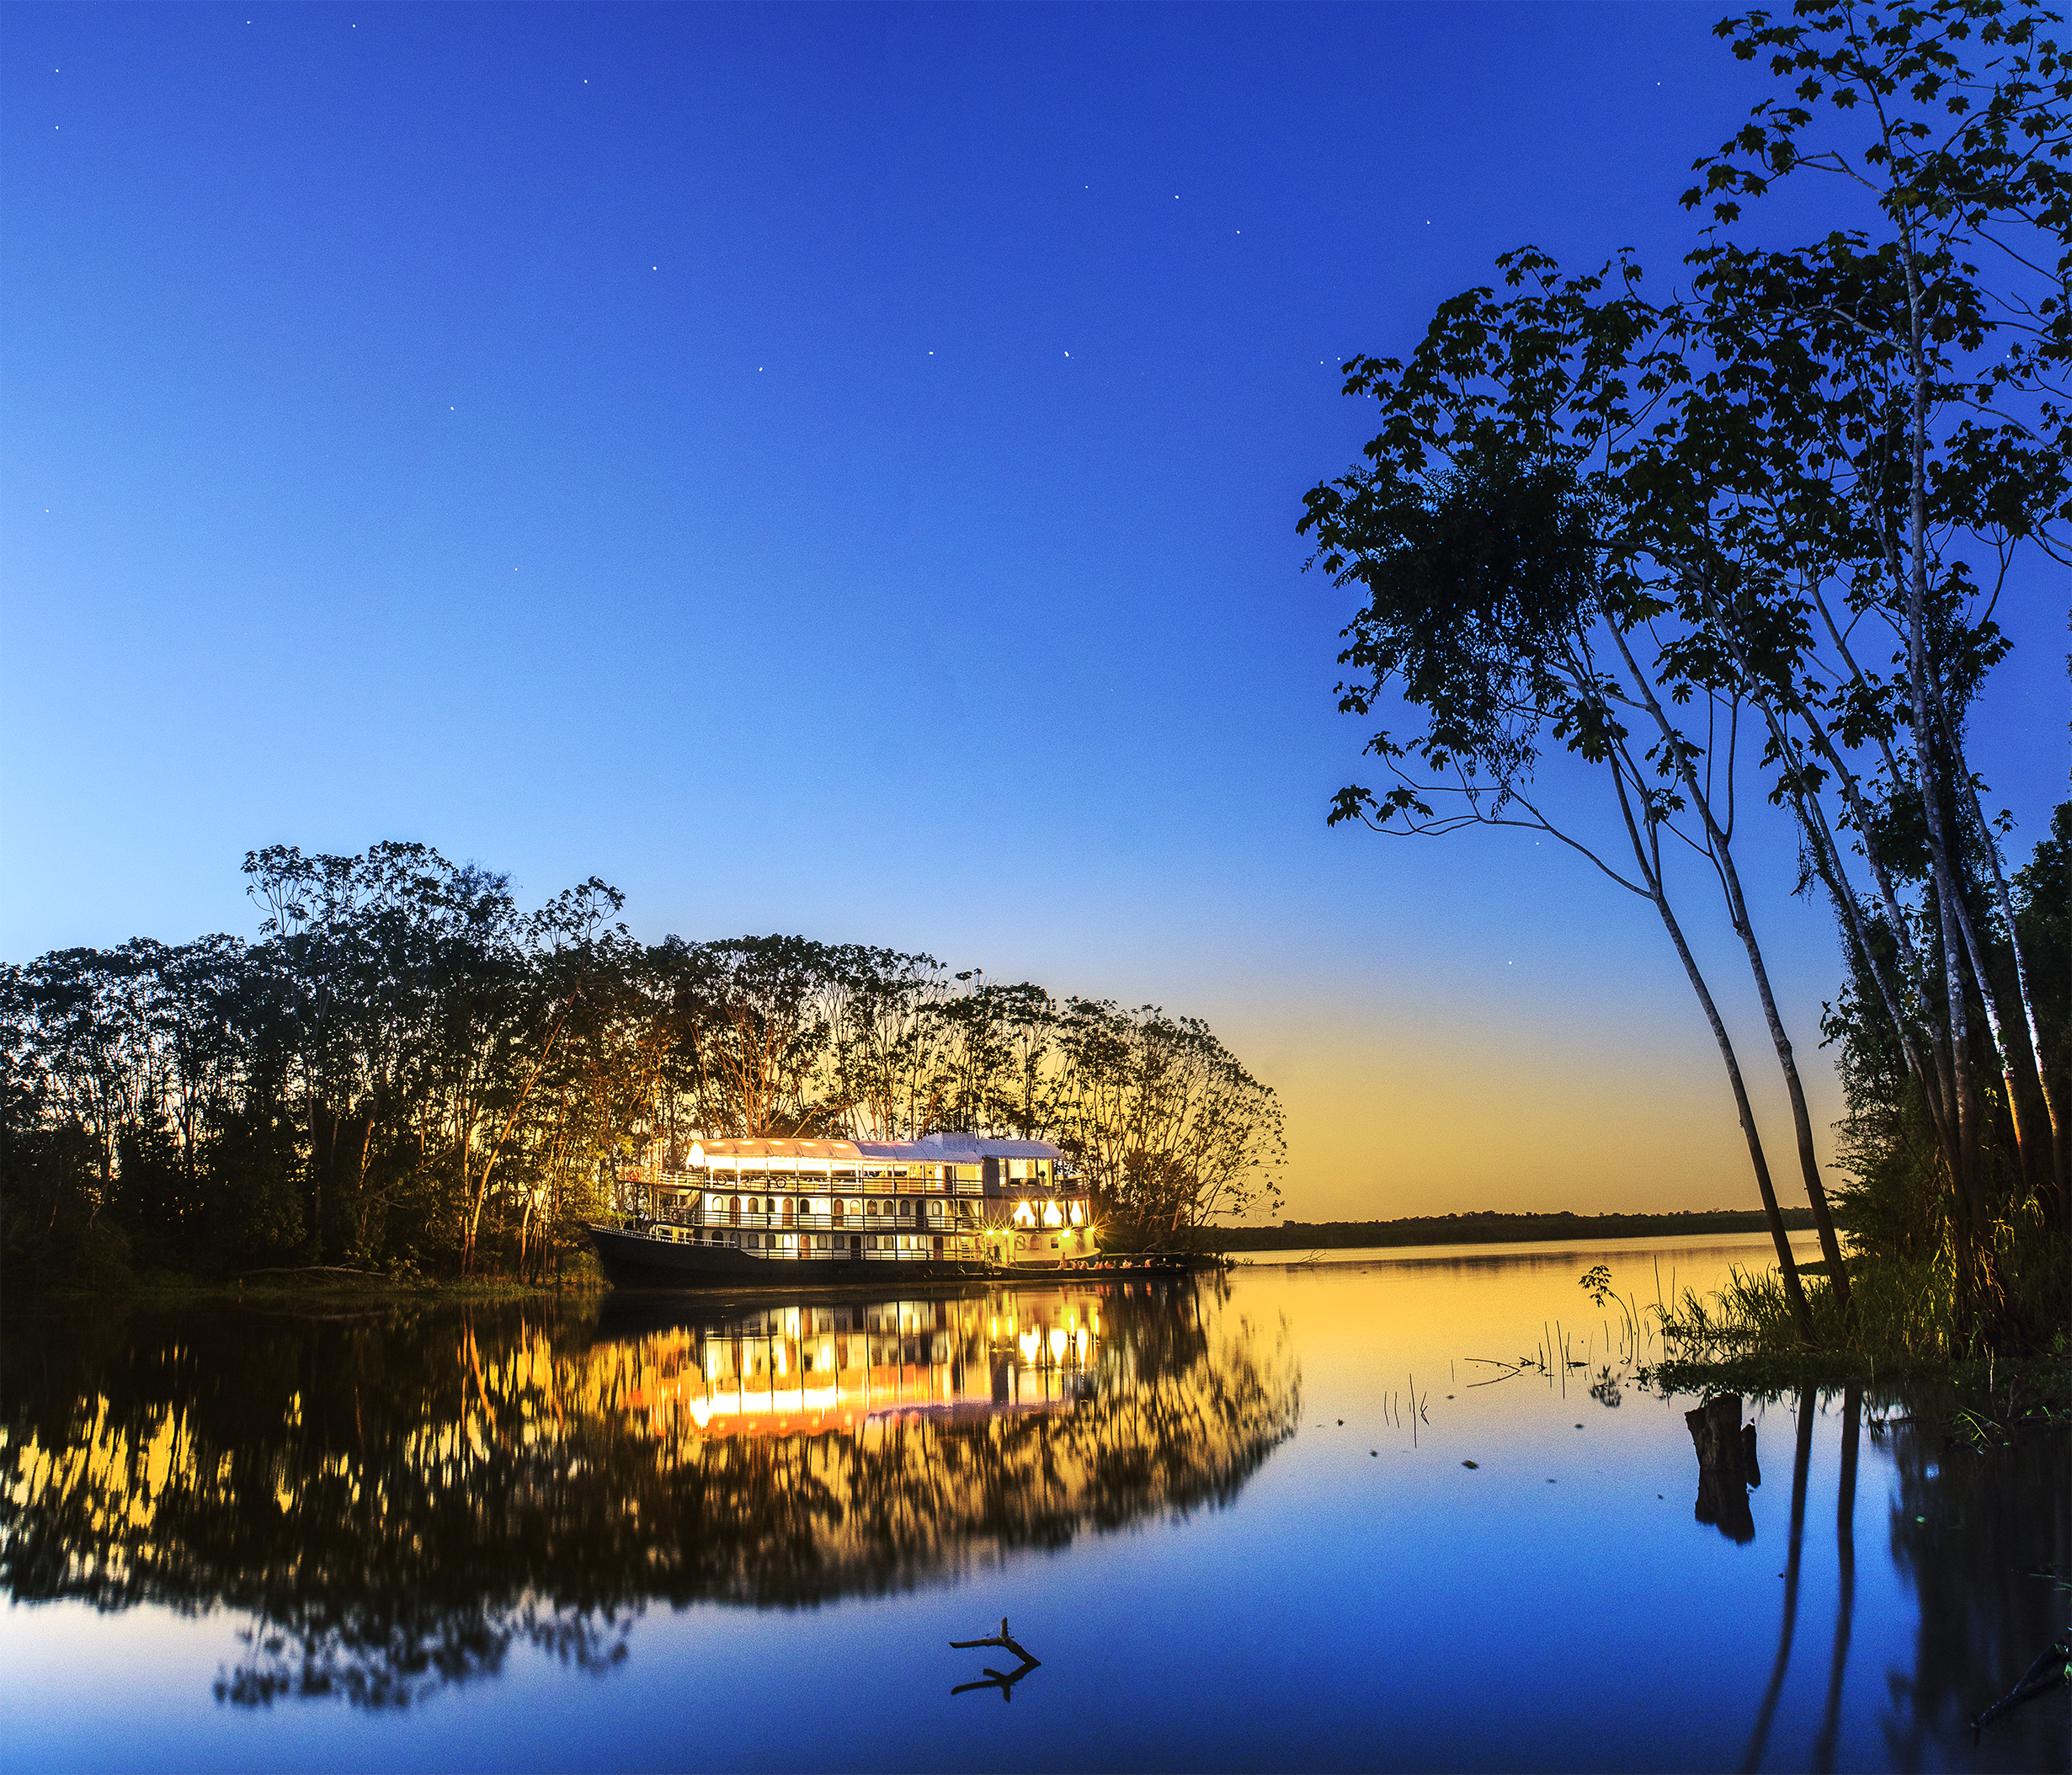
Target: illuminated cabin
(951, 1198)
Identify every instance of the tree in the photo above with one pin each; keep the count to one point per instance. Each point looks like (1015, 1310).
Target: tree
(1168, 1128)
(1912, 410)
(1815, 438)
(410, 1070)
(1493, 542)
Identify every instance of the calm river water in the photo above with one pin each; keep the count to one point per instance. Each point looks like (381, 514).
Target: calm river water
(1308, 1518)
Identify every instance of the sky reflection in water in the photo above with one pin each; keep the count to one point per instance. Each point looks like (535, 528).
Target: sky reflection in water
(741, 1535)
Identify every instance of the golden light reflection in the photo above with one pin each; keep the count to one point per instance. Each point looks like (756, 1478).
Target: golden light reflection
(370, 1491)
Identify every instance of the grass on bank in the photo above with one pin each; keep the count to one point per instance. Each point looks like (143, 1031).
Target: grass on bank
(1902, 1320)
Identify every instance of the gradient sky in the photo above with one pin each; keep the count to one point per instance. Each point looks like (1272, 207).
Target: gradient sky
(836, 470)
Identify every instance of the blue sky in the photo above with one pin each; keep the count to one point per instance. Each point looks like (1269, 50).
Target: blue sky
(836, 470)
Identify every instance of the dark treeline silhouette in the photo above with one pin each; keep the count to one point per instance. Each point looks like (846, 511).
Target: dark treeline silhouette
(1488, 1227)
(406, 1071)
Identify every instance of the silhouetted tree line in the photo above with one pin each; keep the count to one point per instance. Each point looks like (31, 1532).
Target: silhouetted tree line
(407, 1071)
(1490, 1226)
(1755, 532)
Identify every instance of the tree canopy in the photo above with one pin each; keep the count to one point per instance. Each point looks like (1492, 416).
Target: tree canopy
(406, 1070)
(1760, 526)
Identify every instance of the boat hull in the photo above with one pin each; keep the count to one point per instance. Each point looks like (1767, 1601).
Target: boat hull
(634, 1260)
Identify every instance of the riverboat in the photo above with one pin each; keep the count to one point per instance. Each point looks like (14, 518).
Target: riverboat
(948, 1206)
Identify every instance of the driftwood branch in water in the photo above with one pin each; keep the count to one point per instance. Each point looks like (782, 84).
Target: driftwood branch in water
(1003, 1639)
(1003, 1680)
(2052, 1668)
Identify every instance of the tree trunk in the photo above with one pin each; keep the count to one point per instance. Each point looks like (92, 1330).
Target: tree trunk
(1934, 1093)
(1802, 1314)
(2059, 1157)
(1737, 909)
(1794, 1289)
(1943, 1101)
(2031, 1157)
(1972, 1248)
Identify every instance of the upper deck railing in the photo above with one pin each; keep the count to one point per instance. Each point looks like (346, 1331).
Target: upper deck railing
(823, 1180)
(836, 1181)
(875, 1218)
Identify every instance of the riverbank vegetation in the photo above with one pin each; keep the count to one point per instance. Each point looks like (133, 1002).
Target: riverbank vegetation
(1900, 1311)
(1757, 532)
(2022, 1393)
(406, 1072)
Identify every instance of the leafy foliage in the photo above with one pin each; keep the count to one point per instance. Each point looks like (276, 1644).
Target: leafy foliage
(1768, 520)
(407, 1071)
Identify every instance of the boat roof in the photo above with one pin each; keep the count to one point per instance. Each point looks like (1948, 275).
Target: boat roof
(968, 1147)
(710, 1149)
(954, 1148)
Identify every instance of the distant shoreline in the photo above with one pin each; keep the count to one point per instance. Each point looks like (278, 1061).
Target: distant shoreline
(1494, 1228)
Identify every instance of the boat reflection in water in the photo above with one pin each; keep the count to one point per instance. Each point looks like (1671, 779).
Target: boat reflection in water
(856, 1366)
(395, 1501)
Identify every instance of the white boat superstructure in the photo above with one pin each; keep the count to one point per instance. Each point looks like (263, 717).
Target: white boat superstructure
(956, 1198)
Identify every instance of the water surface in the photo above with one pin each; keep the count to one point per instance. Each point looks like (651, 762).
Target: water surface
(1236, 1522)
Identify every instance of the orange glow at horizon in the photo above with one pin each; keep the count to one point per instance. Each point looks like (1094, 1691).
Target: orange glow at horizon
(1381, 1126)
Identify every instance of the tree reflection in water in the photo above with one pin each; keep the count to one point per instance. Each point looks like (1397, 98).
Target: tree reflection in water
(1980, 1535)
(395, 1499)
(1802, 1456)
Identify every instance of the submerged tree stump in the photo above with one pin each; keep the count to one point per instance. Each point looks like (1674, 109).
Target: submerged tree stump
(1726, 1456)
